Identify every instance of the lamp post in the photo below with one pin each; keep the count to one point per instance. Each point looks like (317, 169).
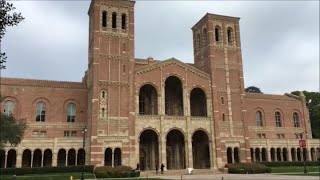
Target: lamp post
(302, 144)
(84, 130)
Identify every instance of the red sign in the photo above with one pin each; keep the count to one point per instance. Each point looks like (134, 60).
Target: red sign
(302, 143)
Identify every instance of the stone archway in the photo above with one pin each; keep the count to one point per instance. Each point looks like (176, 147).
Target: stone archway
(175, 147)
(229, 155)
(108, 157)
(148, 150)
(173, 96)
(117, 157)
(2, 158)
(200, 150)
(26, 158)
(11, 158)
(61, 161)
(37, 158)
(71, 157)
(47, 158)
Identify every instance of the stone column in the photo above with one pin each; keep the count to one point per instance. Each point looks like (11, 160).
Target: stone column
(301, 154)
(308, 154)
(268, 156)
(210, 154)
(76, 162)
(42, 157)
(189, 154)
(5, 159)
(19, 160)
(31, 159)
(112, 159)
(254, 155)
(54, 159)
(289, 156)
(260, 156)
(296, 155)
(163, 153)
(232, 155)
(66, 160)
(281, 155)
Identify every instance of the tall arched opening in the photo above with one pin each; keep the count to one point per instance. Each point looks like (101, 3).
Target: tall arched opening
(173, 96)
(200, 150)
(175, 147)
(148, 150)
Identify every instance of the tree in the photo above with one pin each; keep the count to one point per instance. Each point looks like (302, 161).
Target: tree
(11, 130)
(7, 18)
(313, 104)
(253, 89)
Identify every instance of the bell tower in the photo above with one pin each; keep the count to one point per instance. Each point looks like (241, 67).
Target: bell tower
(110, 80)
(217, 51)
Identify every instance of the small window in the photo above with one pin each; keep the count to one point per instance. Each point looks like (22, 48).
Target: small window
(204, 37)
(217, 33)
(278, 136)
(258, 119)
(198, 41)
(66, 133)
(223, 117)
(71, 112)
(297, 136)
(229, 34)
(296, 120)
(263, 136)
(43, 133)
(277, 117)
(124, 68)
(103, 111)
(222, 100)
(73, 133)
(123, 21)
(103, 94)
(114, 20)
(259, 136)
(104, 19)
(8, 108)
(35, 133)
(40, 112)
(124, 47)
(282, 136)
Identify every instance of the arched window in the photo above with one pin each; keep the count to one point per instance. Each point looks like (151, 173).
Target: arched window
(217, 33)
(103, 111)
(104, 19)
(277, 117)
(296, 120)
(198, 102)
(123, 21)
(204, 37)
(71, 112)
(223, 117)
(222, 100)
(229, 34)
(40, 112)
(103, 94)
(148, 100)
(198, 42)
(8, 108)
(114, 20)
(259, 118)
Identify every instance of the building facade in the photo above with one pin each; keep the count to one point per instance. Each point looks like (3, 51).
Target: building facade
(151, 112)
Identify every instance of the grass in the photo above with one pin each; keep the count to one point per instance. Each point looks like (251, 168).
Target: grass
(309, 174)
(53, 176)
(294, 169)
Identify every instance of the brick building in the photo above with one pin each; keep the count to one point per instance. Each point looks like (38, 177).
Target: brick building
(150, 111)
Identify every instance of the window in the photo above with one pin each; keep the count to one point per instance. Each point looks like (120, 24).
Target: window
(43, 133)
(73, 133)
(71, 112)
(229, 34)
(8, 108)
(223, 117)
(222, 100)
(297, 136)
(261, 136)
(103, 111)
(123, 21)
(40, 112)
(104, 19)
(296, 122)
(66, 133)
(280, 136)
(204, 37)
(198, 41)
(114, 20)
(277, 117)
(259, 119)
(35, 133)
(103, 94)
(124, 68)
(217, 33)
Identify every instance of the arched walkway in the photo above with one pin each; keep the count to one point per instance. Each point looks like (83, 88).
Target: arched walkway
(2, 158)
(284, 154)
(229, 155)
(148, 100)
(264, 154)
(299, 154)
(11, 158)
(198, 102)
(117, 157)
(81, 157)
(175, 150)
(173, 96)
(293, 154)
(47, 158)
(26, 158)
(272, 154)
(61, 161)
(279, 154)
(108, 157)
(37, 158)
(200, 150)
(257, 154)
(71, 157)
(148, 150)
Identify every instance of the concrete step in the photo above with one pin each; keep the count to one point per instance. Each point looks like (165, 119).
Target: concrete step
(180, 172)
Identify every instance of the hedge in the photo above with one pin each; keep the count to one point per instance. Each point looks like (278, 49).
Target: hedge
(45, 170)
(115, 172)
(247, 168)
(290, 163)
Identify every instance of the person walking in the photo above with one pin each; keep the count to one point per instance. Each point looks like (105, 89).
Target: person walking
(162, 168)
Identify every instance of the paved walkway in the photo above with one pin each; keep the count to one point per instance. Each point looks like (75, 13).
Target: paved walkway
(235, 177)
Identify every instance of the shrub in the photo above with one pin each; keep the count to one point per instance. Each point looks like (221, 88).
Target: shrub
(289, 163)
(248, 168)
(45, 170)
(115, 172)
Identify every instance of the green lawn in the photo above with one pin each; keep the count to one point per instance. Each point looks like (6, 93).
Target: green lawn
(56, 176)
(294, 169)
(309, 174)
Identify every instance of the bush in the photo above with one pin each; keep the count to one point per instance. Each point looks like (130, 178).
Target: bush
(248, 168)
(115, 172)
(45, 170)
(288, 163)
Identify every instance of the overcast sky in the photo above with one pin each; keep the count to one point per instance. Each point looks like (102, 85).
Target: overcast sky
(280, 40)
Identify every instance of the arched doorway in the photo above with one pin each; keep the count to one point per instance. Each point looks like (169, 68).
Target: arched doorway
(264, 154)
(279, 154)
(61, 157)
(149, 150)
(71, 157)
(37, 157)
(293, 154)
(175, 150)
(26, 158)
(2, 158)
(108, 157)
(117, 157)
(252, 154)
(236, 154)
(81, 157)
(272, 154)
(299, 154)
(173, 96)
(200, 150)
(229, 155)
(11, 158)
(285, 154)
(198, 102)
(257, 154)
(148, 100)
(47, 158)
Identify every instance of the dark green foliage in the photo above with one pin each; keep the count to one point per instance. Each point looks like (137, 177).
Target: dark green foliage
(11, 130)
(7, 18)
(45, 170)
(313, 104)
(115, 172)
(287, 163)
(247, 168)
(253, 89)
